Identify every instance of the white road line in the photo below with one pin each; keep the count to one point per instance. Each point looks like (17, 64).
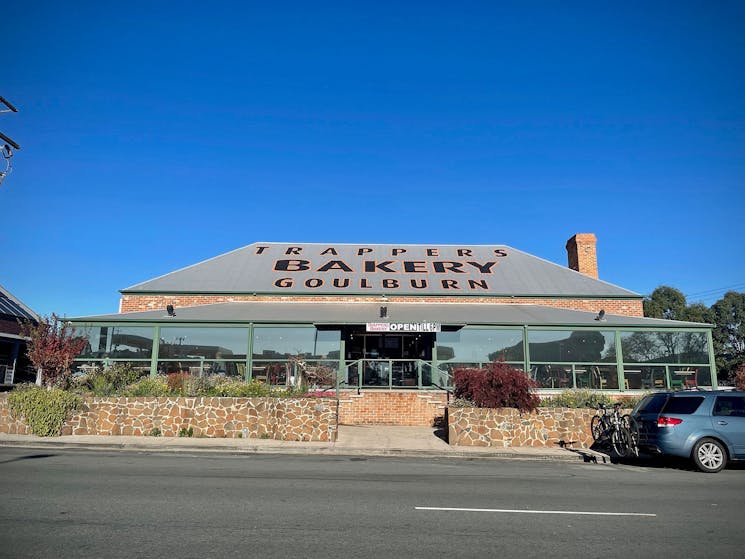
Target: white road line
(588, 513)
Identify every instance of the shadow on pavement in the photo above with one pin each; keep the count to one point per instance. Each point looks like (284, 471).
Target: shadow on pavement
(27, 457)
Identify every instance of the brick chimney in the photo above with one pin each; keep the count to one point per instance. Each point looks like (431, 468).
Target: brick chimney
(582, 255)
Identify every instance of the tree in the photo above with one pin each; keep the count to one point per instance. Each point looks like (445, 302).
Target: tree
(729, 331)
(51, 347)
(665, 302)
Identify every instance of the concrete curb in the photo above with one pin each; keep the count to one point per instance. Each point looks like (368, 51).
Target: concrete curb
(309, 449)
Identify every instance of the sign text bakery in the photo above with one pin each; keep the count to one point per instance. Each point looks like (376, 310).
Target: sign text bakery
(362, 268)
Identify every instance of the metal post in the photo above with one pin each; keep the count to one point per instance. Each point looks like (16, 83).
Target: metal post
(156, 351)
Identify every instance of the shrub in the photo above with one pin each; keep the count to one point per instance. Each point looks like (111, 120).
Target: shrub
(629, 401)
(234, 388)
(176, 382)
(43, 410)
(461, 403)
(52, 344)
(576, 398)
(186, 432)
(496, 386)
(108, 381)
(148, 386)
(739, 377)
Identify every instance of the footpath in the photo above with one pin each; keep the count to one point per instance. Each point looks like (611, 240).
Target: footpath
(367, 440)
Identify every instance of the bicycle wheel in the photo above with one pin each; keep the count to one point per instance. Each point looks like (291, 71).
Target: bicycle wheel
(633, 427)
(596, 427)
(621, 441)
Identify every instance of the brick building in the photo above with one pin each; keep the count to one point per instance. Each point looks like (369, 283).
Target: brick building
(366, 318)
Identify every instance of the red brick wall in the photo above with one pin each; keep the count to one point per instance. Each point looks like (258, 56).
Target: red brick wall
(391, 407)
(582, 254)
(627, 307)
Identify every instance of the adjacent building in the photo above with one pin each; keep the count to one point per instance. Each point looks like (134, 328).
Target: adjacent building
(14, 365)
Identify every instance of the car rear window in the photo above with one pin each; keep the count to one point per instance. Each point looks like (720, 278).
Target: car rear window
(651, 404)
(678, 405)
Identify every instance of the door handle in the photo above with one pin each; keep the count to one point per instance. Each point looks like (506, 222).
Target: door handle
(722, 423)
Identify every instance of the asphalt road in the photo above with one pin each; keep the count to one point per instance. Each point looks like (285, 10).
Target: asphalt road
(125, 504)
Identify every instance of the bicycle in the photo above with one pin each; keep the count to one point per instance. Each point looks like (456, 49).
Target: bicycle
(614, 431)
(633, 426)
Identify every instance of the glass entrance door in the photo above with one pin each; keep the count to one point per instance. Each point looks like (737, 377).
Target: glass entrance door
(387, 360)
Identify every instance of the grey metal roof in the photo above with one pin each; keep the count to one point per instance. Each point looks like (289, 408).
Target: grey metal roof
(13, 307)
(339, 269)
(360, 313)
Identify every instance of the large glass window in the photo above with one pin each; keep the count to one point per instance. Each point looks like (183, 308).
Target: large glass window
(272, 343)
(474, 345)
(579, 346)
(117, 342)
(664, 347)
(203, 343)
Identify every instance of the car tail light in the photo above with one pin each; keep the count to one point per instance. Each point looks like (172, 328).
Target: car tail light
(664, 421)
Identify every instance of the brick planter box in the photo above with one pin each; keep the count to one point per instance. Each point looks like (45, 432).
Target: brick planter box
(506, 427)
(302, 419)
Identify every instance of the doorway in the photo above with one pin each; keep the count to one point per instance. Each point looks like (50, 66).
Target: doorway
(388, 359)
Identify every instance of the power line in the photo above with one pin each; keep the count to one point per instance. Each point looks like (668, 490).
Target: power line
(710, 292)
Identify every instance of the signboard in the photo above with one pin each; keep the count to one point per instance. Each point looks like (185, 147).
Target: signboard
(408, 269)
(403, 327)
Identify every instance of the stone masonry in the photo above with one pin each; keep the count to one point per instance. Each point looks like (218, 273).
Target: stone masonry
(508, 427)
(305, 419)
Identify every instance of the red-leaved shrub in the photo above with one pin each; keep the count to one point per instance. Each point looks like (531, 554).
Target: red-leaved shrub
(739, 377)
(177, 381)
(496, 386)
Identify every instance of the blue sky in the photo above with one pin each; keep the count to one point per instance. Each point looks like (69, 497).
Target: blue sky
(155, 135)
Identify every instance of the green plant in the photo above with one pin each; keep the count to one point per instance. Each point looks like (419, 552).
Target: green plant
(155, 432)
(108, 381)
(628, 402)
(43, 410)
(148, 386)
(576, 398)
(239, 388)
(100, 386)
(186, 432)
(461, 403)
(496, 386)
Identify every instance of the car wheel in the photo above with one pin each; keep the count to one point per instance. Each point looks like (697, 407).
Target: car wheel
(709, 455)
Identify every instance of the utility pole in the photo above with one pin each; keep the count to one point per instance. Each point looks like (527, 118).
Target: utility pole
(8, 145)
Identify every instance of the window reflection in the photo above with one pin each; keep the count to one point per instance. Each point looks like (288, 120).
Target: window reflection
(579, 346)
(552, 376)
(203, 343)
(117, 342)
(664, 347)
(310, 343)
(474, 345)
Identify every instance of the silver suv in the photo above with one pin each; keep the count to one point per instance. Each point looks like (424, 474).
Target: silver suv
(707, 427)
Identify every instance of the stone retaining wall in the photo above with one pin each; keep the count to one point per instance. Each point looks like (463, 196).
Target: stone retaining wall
(506, 427)
(303, 419)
